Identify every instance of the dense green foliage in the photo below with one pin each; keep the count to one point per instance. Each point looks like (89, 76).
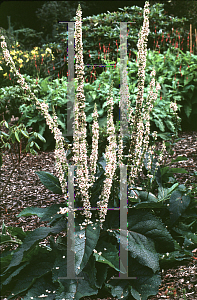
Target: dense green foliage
(161, 116)
(162, 216)
(161, 231)
(177, 75)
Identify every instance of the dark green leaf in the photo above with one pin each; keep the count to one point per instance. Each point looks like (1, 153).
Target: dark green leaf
(32, 211)
(178, 204)
(17, 137)
(50, 182)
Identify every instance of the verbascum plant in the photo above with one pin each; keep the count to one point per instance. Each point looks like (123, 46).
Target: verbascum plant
(84, 178)
(79, 136)
(95, 256)
(139, 137)
(110, 155)
(60, 156)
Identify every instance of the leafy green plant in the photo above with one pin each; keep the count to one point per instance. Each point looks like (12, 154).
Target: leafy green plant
(38, 270)
(55, 92)
(36, 63)
(13, 141)
(104, 30)
(98, 253)
(160, 116)
(10, 238)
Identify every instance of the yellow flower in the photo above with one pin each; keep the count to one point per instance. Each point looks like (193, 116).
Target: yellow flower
(33, 52)
(1, 68)
(13, 52)
(5, 74)
(48, 50)
(20, 60)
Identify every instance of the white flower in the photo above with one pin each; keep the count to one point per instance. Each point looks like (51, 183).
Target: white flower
(173, 106)
(81, 236)
(140, 138)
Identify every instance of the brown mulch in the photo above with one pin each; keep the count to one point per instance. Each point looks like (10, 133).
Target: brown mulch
(26, 190)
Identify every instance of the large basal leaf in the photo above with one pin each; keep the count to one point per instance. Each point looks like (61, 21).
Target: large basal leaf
(50, 182)
(101, 274)
(140, 248)
(177, 205)
(165, 193)
(146, 283)
(15, 273)
(42, 286)
(146, 224)
(50, 212)
(45, 213)
(34, 237)
(45, 85)
(5, 259)
(40, 266)
(190, 238)
(85, 241)
(169, 259)
(121, 289)
(108, 254)
(73, 288)
(152, 227)
(92, 232)
(5, 238)
(170, 125)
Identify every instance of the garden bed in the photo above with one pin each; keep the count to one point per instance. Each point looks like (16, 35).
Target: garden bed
(26, 190)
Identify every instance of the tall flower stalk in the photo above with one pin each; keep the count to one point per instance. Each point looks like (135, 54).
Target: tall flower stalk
(140, 136)
(60, 156)
(84, 178)
(110, 155)
(84, 174)
(79, 136)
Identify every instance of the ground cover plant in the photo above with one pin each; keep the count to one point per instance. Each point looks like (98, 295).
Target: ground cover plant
(155, 223)
(179, 84)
